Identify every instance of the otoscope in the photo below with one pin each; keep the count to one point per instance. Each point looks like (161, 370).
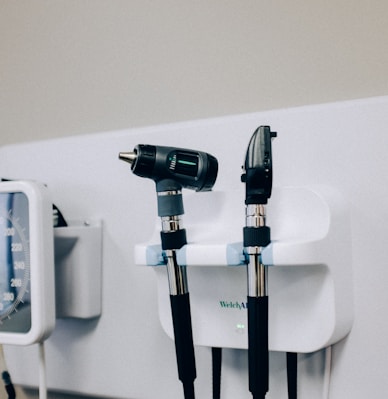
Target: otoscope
(256, 235)
(173, 169)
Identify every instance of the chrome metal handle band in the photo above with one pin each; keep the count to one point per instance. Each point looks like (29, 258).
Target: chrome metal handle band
(171, 223)
(169, 192)
(255, 215)
(257, 275)
(177, 276)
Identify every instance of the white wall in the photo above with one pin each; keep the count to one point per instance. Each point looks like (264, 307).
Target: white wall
(80, 66)
(330, 145)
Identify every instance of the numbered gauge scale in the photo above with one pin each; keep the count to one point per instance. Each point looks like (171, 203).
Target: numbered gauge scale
(27, 303)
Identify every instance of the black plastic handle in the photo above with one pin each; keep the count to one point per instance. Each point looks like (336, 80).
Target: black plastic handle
(184, 347)
(258, 356)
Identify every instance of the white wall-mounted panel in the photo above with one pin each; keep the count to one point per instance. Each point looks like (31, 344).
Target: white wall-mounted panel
(125, 353)
(310, 285)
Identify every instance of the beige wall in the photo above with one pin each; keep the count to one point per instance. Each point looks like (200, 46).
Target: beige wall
(78, 66)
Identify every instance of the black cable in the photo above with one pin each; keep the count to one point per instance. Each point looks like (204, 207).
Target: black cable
(8, 385)
(216, 368)
(58, 219)
(188, 390)
(292, 375)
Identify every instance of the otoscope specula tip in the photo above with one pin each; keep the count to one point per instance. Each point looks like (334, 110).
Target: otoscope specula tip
(129, 157)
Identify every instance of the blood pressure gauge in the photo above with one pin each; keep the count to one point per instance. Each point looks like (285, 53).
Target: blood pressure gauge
(27, 300)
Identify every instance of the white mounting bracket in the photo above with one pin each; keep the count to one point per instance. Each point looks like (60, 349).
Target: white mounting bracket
(310, 284)
(78, 269)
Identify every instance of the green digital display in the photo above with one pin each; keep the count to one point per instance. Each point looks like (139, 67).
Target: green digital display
(184, 163)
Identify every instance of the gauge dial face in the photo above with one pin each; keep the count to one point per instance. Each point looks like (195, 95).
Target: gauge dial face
(15, 295)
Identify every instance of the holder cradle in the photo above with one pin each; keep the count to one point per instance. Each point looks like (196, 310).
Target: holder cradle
(310, 281)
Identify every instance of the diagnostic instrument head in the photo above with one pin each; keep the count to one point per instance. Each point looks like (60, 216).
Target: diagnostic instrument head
(173, 168)
(258, 167)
